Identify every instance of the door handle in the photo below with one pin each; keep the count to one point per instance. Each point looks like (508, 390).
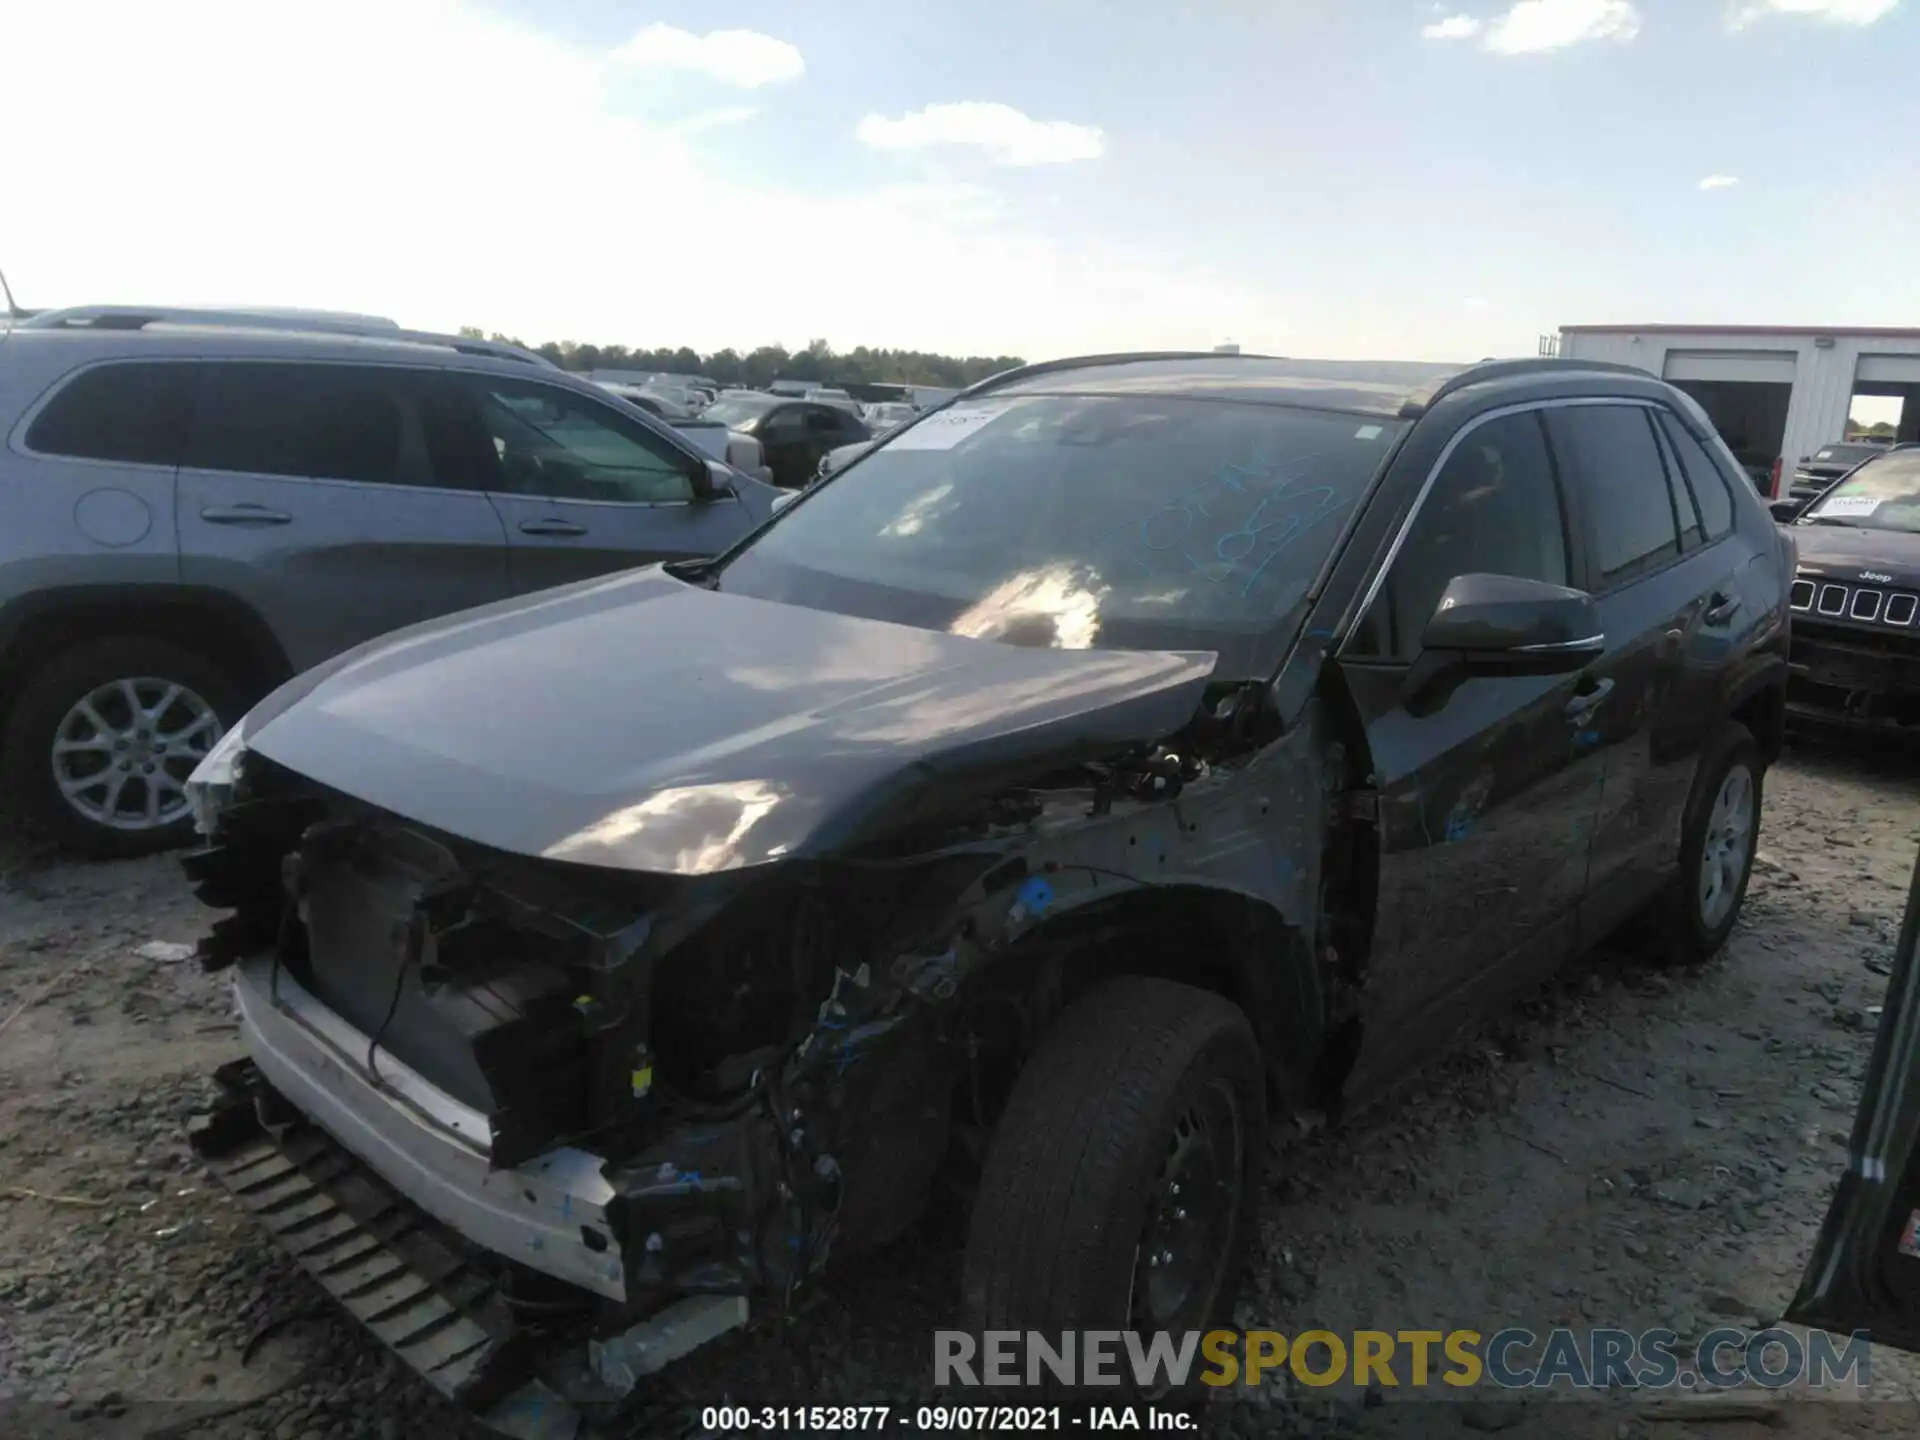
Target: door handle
(1721, 608)
(551, 527)
(244, 515)
(1587, 701)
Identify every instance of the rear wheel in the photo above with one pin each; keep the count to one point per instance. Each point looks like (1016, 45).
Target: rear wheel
(99, 743)
(1718, 836)
(1119, 1189)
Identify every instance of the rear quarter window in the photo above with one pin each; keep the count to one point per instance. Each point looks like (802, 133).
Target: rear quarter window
(1704, 478)
(133, 412)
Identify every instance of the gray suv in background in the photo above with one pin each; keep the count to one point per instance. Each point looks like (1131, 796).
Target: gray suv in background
(196, 506)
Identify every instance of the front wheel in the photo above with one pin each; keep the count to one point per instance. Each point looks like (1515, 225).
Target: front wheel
(1119, 1189)
(99, 743)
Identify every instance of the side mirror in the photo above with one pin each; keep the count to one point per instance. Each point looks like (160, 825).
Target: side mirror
(1786, 509)
(784, 499)
(1501, 625)
(713, 482)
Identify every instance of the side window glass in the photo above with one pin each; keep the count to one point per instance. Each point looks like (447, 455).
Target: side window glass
(1704, 478)
(823, 422)
(1494, 509)
(553, 443)
(1610, 452)
(133, 413)
(1677, 492)
(327, 422)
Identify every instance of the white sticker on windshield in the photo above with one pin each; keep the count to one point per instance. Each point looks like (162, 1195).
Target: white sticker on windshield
(947, 428)
(1850, 505)
(1367, 432)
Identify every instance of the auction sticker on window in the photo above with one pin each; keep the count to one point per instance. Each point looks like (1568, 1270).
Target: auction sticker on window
(1850, 505)
(947, 428)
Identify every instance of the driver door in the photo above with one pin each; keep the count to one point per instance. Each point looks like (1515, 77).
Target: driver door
(1486, 801)
(1864, 1273)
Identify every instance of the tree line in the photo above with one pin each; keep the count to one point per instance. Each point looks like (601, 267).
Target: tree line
(819, 362)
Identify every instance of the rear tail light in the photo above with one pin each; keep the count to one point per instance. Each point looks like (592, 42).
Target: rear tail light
(1773, 484)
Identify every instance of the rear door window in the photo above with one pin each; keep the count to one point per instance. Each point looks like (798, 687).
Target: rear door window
(1610, 453)
(1494, 509)
(133, 412)
(330, 422)
(1704, 478)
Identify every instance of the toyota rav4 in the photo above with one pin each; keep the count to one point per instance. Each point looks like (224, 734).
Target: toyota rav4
(1131, 749)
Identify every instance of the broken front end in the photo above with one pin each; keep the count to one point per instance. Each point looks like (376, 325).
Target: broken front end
(545, 1127)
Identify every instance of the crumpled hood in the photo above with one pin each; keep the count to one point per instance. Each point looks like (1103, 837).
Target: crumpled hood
(642, 723)
(1844, 552)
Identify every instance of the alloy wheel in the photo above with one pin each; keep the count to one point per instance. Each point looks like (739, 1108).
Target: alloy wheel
(123, 752)
(1725, 848)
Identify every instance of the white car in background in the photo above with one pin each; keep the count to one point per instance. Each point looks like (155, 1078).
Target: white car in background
(741, 451)
(842, 456)
(888, 415)
(839, 399)
(664, 407)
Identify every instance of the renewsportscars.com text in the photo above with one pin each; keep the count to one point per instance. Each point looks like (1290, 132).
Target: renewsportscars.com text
(1512, 1358)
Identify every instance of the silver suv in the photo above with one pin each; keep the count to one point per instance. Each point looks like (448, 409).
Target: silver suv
(195, 506)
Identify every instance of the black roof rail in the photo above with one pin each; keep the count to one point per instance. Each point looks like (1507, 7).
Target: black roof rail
(1486, 370)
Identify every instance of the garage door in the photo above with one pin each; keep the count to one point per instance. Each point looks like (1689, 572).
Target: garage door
(1763, 365)
(1888, 369)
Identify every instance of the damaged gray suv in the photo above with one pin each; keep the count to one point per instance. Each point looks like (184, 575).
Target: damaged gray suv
(1135, 747)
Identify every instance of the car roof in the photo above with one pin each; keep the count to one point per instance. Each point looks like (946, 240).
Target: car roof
(127, 333)
(1401, 389)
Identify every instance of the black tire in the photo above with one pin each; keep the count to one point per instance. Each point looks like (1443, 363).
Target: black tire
(46, 697)
(1685, 933)
(1078, 1162)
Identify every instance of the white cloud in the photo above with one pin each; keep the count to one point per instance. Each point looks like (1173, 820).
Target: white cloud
(275, 211)
(1534, 25)
(1719, 182)
(733, 57)
(1742, 13)
(1453, 27)
(1010, 137)
(715, 119)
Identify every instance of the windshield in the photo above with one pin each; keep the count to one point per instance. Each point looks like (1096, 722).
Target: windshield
(1883, 494)
(1845, 454)
(1073, 521)
(737, 412)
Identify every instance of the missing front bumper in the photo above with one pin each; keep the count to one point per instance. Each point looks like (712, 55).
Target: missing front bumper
(424, 1295)
(436, 1302)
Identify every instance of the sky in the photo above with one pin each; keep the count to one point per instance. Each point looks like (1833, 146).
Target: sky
(1342, 178)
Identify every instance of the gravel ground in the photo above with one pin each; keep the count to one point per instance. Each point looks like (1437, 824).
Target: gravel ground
(1629, 1147)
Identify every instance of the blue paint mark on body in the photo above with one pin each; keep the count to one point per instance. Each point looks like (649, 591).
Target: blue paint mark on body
(1036, 895)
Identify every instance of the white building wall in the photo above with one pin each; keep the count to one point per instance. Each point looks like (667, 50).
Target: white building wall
(1823, 382)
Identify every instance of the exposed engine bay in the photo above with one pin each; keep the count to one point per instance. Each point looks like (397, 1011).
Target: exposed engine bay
(621, 1090)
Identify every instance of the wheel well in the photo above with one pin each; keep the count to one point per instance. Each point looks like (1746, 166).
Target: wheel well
(1217, 940)
(209, 623)
(1764, 713)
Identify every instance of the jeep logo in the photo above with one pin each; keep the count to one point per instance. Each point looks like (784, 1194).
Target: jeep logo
(1874, 575)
